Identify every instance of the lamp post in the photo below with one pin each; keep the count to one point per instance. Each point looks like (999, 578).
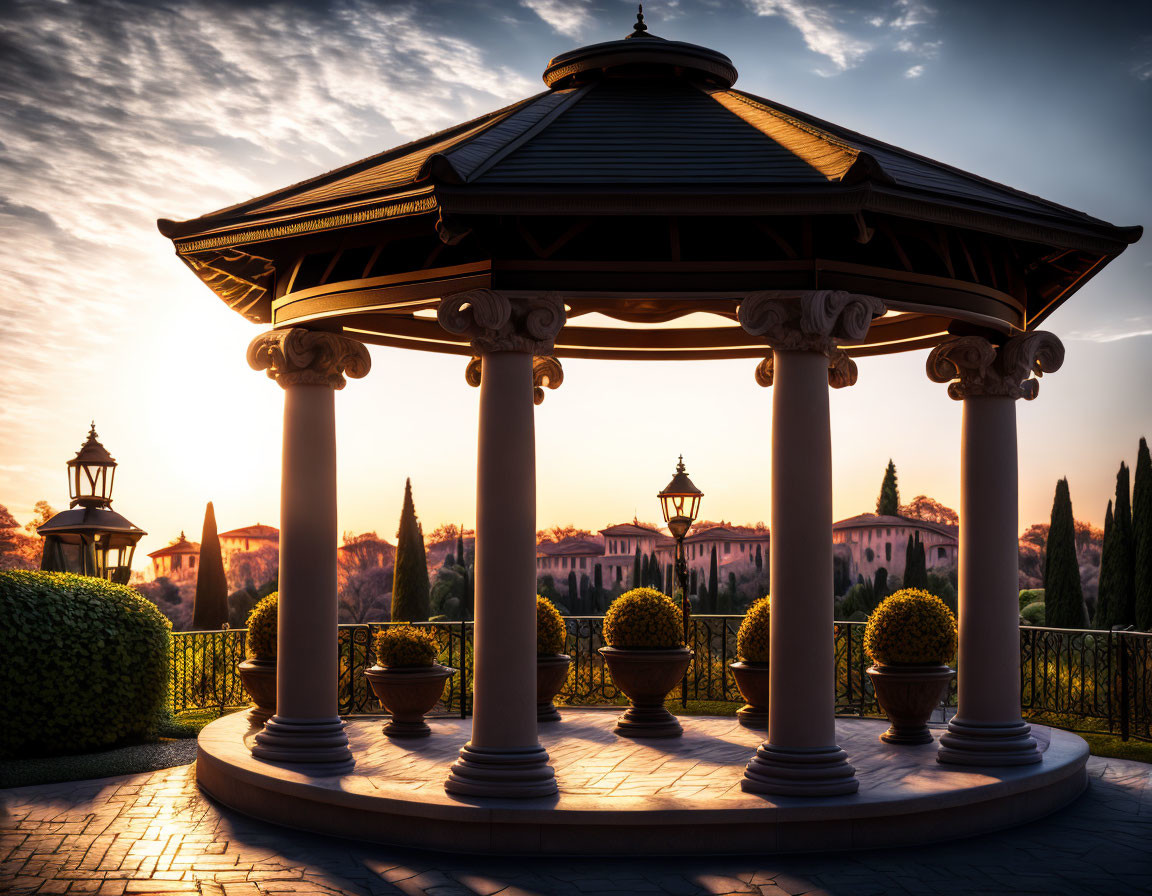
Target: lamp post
(680, 502)
(90, 538)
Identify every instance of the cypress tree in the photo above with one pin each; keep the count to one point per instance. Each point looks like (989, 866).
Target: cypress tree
(730, 601)
(1124, 597)
(888, 504)
(597, 589)
(656, 578)
(1063, 594)
(638, 576)
(210, 604)
(1104, 596)
(668, 584)
(713, 585)
(410, 591)
(879, 588)
(759, 559)
(910, 563)
(692, 583)
(585, 587)
(1142, 536)
(573, 591)
(460, 546)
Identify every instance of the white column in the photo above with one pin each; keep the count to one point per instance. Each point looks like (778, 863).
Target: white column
(988, 729)
(801, 757)
(504, 757)
(306, 728)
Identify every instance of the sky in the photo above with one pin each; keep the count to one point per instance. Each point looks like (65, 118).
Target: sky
(115, 113)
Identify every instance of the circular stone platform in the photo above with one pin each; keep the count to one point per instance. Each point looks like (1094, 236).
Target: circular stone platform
(621, 797)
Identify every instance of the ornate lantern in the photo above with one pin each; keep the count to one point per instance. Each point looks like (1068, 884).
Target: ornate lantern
(680, 502)
(90, 538)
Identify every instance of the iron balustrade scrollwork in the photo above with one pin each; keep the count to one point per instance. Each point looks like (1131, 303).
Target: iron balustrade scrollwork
(1092, 680)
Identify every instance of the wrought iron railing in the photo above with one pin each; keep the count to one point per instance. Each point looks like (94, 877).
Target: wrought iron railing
(1094, 680)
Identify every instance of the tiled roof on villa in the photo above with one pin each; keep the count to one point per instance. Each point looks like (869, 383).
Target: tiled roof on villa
(257, 531)
(873, 520)
(569, 547)
(632, 529)
(180, 546)
(727, 533)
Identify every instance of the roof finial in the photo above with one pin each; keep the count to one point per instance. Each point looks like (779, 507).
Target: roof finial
(680, 465)
(639, 27)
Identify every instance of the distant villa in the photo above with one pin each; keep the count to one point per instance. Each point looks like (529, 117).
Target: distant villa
(181, 554)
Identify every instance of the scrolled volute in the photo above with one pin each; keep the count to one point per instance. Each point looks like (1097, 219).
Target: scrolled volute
(812, 320)
(842, 370)
(495, 322)
(973, 366)
(546, 374)
(297, 356)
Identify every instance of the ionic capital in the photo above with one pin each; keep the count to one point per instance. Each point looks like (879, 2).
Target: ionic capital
(841, 370)
(546, 374)
(308, 357)
(973, 366)
(495, 322)
(808, 321)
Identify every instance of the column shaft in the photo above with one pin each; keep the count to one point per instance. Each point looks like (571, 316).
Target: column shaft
(801, 756)
(988, 729)
(504, 756)
(306, 727)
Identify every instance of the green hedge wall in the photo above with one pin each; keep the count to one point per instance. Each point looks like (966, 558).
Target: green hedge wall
(85, 663)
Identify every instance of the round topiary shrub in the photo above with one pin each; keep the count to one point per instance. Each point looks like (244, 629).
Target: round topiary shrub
(752, 640)
(910, 626)
(644, 618)
(85, 663)
(405, 646)
(262, 629)
(550, 630)
(1033, 614)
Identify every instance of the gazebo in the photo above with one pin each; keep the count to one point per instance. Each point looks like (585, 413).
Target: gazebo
(641, 207)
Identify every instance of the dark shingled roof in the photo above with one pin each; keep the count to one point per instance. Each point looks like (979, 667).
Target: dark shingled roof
(647, 133)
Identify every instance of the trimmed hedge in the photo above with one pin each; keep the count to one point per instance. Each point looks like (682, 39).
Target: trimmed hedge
(85, 664)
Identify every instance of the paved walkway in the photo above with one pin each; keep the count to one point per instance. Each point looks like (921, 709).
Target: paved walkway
(155, 833)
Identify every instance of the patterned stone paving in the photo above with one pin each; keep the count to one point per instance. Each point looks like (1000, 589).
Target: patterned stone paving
(155, 833)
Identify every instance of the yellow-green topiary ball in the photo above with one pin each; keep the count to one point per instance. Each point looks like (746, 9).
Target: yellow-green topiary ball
(262, 628)
(910, 626)
(752, 640)
(404, 646)
(643, 617)
(550, 630)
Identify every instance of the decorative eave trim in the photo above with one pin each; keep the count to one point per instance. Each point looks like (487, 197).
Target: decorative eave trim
(735, 200)
(247, 233)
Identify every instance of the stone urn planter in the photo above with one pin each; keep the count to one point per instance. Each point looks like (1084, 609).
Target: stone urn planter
(406, 679)
(752, 680)
(551, 673)
(408, 693)
(753, 645)
(909, 639)
(259, 679)
(647, 676)
(908, 694)
(258, 671)
(551, 661)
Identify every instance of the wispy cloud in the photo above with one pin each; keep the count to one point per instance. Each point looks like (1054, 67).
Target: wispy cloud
(820, 27)
(569, 17)
(113, 114)
(898, 26)
(1130, 328)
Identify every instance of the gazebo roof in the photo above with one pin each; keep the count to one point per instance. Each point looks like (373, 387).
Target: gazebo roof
(647, 188)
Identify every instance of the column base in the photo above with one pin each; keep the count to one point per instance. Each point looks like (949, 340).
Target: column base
(320, 744)
(815, 771)
(979, 743)
(508, 772)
